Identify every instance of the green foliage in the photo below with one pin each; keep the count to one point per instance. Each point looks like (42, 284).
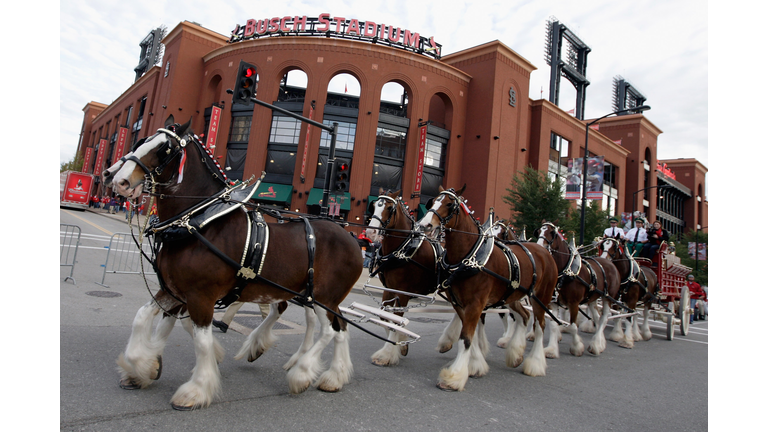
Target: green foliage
(534, 198)
(701, 274)
(76, 164)
(595, 222)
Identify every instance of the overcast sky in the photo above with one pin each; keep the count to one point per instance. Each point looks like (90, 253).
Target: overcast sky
(660, 47)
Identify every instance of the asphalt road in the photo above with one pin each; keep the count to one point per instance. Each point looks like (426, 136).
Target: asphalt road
(658, 385)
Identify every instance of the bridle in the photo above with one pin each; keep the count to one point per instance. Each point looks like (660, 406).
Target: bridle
(166, 153)
(543, 236)
(452, 211)
(380, 203)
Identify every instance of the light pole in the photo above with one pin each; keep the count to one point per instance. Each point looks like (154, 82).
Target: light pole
(586, 156)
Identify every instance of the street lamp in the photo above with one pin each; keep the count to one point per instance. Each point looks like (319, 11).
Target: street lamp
(586, 156)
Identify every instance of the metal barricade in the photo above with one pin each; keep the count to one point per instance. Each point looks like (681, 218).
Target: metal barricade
(70, 242)
(123, 257)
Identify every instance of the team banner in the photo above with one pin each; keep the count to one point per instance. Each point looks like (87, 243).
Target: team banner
(213, 128)
(701, 254)
(122, 138)
(306, 143)
(420, 164)
(87, 160)
(595, 171)
(100, 156)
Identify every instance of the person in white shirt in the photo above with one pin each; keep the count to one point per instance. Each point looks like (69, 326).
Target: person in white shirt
(615, 231)
(636, 238)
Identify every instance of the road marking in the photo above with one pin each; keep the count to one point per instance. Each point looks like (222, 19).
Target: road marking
(88, 222)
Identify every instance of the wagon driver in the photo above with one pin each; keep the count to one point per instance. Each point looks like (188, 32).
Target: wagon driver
(637, 237)
(614, 231)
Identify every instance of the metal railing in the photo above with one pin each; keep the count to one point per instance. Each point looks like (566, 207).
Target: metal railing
(123, 257)
(70, 242)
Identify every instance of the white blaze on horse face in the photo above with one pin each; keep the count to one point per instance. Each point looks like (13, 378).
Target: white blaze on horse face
(128, 181)
(430, 221)
(542, 235)
(606, 247)
(378, 210)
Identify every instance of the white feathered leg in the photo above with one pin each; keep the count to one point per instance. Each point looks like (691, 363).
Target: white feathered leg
(140, 364)
(389, 354)
(205, 383)
(588, 325)
(509, 329)
(597, 344)
(450, 335)
(636, 336)
(341, 369)
(617, 335)
(645, 331)
(309, 365)
(454, 377)
(309, 338)
(555, 336)
(577, 346)
(516, 346)
(262, 338)
(481, 340)
(535, 364)
(187, 325)
(628, 341)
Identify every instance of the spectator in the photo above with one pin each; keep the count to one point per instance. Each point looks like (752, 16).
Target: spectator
(698, 297)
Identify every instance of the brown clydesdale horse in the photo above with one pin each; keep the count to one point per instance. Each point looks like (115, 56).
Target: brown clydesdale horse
(483, 276)
(195, 275)
(581, 280)
(638, 285)
(406, 261)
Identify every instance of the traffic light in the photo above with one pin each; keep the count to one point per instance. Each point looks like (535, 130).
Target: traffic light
(341, 176)
(245, 84)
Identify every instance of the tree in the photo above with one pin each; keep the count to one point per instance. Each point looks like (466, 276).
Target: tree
(595, 221)
(533, 198)
(75, 164)
(701, 274)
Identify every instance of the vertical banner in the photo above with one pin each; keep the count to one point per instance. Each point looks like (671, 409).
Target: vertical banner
(595, 171)
(87, 160)
(213, 128)
(100, 157)
(122, 138)
(420, 164)
(701, 254)
(306, 142)
(573, 179)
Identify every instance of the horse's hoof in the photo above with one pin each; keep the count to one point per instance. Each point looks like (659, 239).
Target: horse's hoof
(182, 407)
(254, 357)
(328, 390)
(159, 370)
(129, 384)
(445, 387)
(444, 349)
(404, 350)
(380, 363)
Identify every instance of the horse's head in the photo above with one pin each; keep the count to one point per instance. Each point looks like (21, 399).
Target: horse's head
(548, 235)
(385, 212)
(443, 211)
(147, 158)
(611, 248)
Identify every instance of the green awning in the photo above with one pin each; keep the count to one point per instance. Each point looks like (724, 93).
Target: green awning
(316, 194)
(273, 192)
(421, 211)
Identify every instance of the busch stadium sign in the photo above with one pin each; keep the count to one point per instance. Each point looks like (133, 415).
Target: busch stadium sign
(337, 27)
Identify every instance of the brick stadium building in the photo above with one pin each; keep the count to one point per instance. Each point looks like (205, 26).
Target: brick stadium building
(469, 111)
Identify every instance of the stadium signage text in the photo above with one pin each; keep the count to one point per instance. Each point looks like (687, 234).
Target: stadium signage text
(337, 27)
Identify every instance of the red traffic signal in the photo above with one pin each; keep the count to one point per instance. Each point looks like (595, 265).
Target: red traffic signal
(245, 83)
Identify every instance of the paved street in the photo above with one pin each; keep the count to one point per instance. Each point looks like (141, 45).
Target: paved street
(658, 385)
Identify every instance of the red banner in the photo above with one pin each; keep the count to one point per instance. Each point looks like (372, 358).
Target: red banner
(87, 160)
(422, 152)
(100, 157)
(213, 128)
(122, 138)
(306, 143)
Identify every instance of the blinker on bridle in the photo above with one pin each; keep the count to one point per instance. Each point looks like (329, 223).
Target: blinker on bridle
(453, 210)
(165, 153)
(381, 199)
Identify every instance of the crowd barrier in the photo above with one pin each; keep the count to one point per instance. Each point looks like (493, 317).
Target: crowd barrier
(70, 242)
(123, 257)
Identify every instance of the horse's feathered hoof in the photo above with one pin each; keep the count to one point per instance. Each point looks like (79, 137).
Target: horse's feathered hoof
(129, 384)
(252, 358)
(159, 370)
(404, 350)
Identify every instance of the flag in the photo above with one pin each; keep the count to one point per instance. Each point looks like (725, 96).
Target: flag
(595, 126)
(345, 87)
(571, 111)
(618, 141)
